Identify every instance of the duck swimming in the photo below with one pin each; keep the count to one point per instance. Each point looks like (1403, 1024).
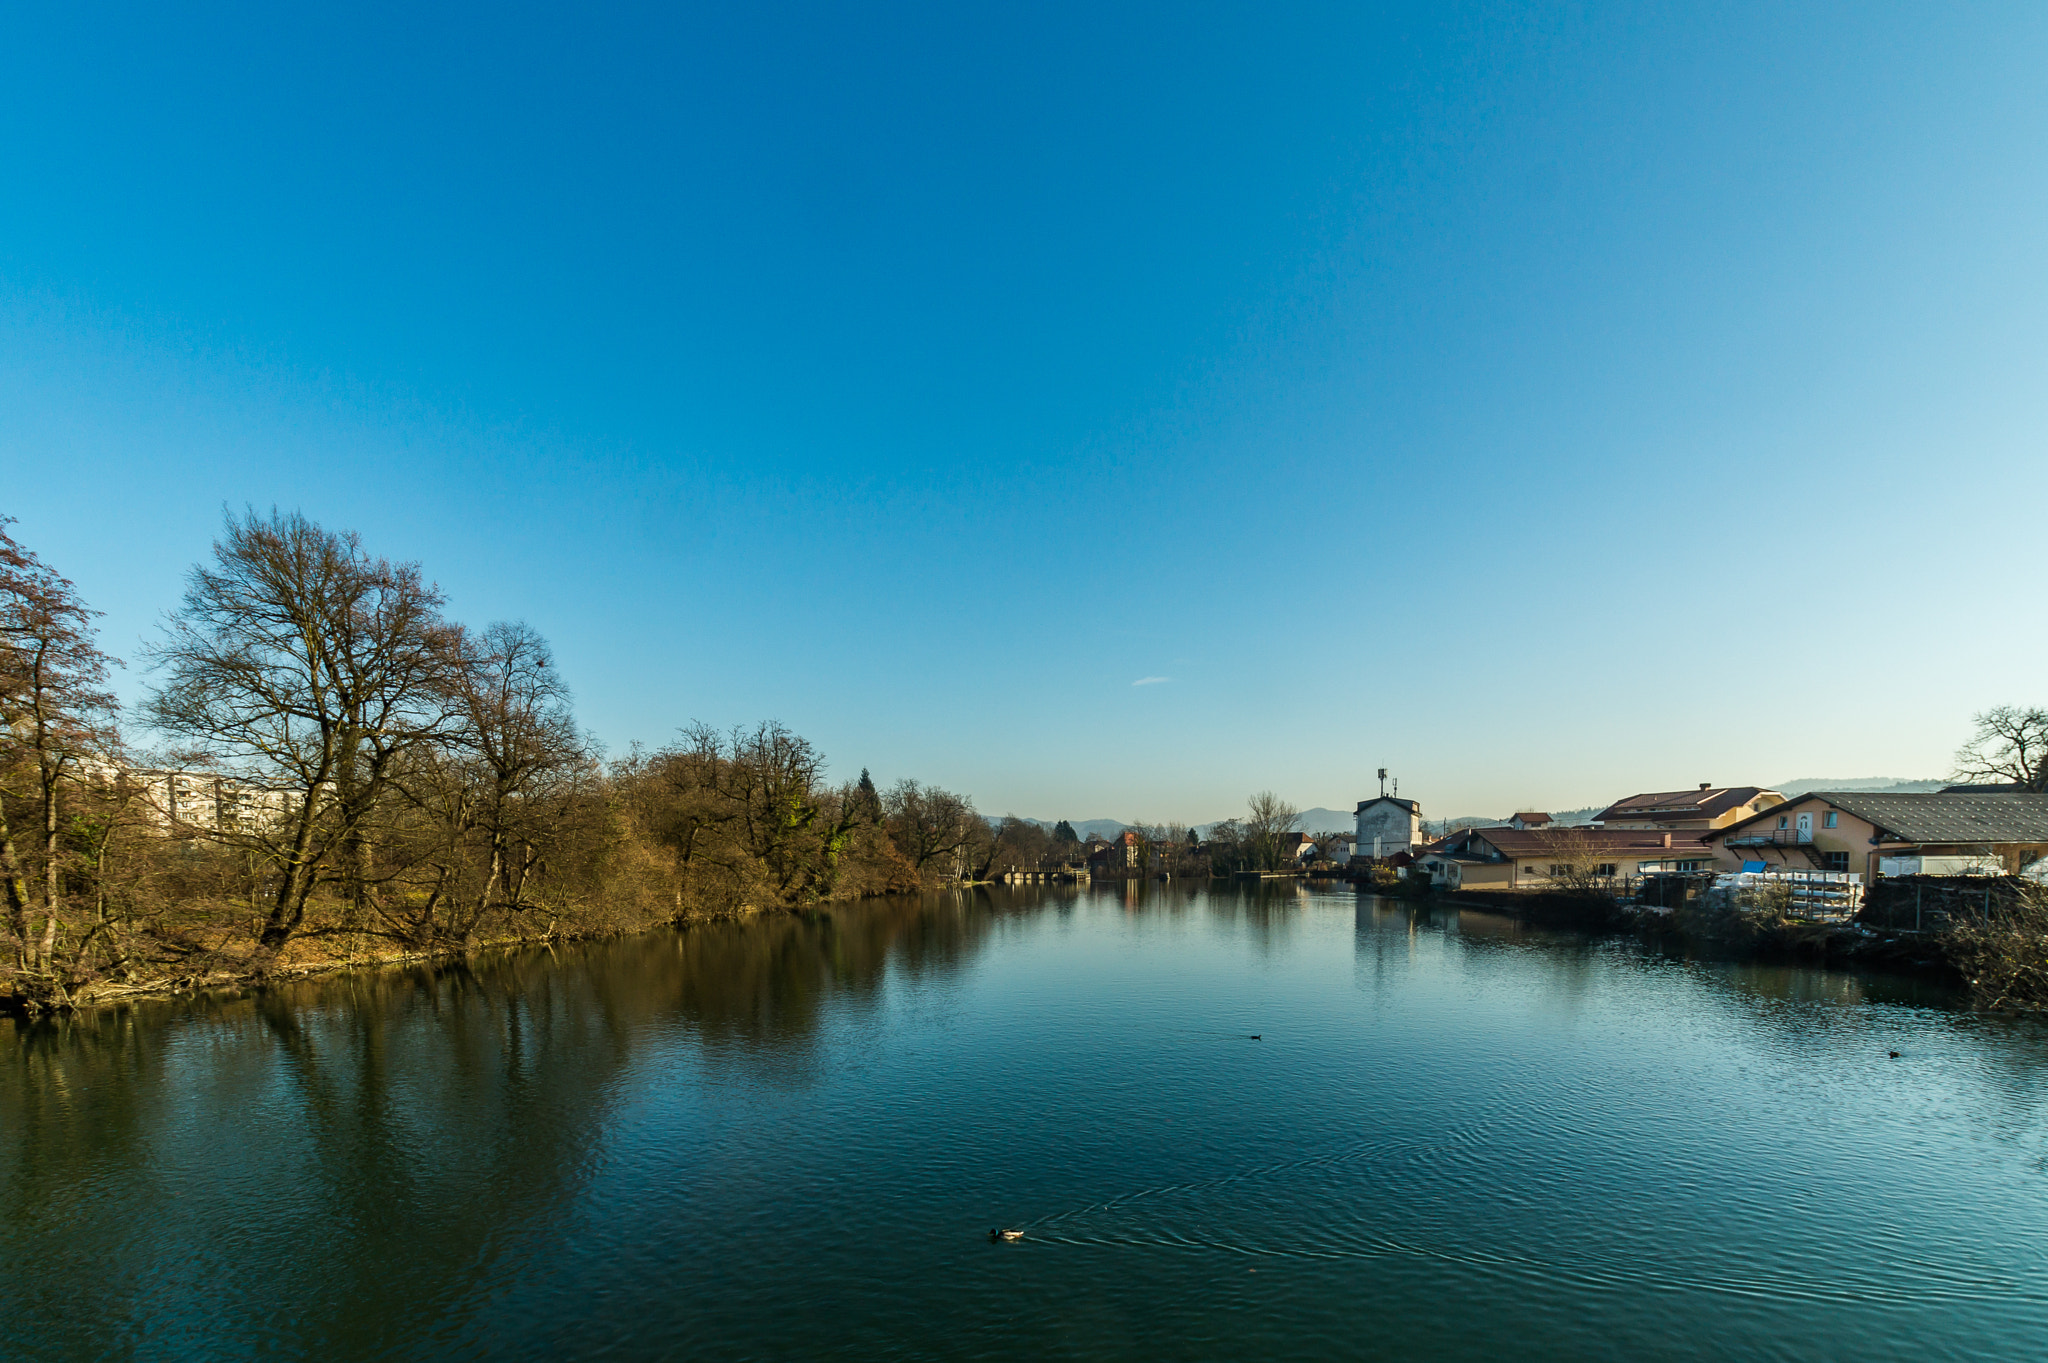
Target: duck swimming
(996, 1235)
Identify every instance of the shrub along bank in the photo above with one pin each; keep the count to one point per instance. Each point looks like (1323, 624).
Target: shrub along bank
(344, 774)
(1988, 935)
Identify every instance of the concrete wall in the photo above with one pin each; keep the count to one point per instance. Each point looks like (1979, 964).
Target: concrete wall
(1398, 830)
(1490, 875)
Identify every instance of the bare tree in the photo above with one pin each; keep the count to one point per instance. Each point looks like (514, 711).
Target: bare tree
(747, 818)
(1167, 844)
(789, 824)
(2003, 953)
(688, 812)
(55, 715)
(1226, 847)
(1015, 842)
(497, 792)
(1578, 865)
(2009, 746)
(930, 826)
(314, 673)
(1267, 819)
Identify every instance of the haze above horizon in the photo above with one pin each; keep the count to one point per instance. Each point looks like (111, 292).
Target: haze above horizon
(1108, 409)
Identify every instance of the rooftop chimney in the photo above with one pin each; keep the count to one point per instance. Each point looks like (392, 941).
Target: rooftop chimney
(1667, 839)
(1706, 785)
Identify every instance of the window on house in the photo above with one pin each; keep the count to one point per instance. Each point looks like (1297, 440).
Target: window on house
(1783, 822)
(1692, 866)
(1835, 861)
(1828, 820)
(1555, 870)
(1605, 868)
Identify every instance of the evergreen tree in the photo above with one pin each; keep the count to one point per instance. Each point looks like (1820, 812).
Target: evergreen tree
(1064, 832)
(868, 798)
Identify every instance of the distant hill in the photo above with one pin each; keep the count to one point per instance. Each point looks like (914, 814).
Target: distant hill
(1557, 816)
(1792, 790)
(1320, 820)
(1086, 828)
(1313, 821)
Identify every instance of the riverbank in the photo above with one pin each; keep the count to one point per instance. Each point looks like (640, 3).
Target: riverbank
(1730, 934)
(242, 964)
(237, 963)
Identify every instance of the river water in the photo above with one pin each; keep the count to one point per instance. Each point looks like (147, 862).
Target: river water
(789, 1138)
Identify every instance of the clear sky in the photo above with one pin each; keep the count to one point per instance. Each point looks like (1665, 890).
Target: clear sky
(1105, 409)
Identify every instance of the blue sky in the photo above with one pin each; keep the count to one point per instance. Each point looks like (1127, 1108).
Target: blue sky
(1545, 401)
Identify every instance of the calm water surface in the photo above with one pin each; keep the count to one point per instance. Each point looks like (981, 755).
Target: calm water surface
(788, 1139)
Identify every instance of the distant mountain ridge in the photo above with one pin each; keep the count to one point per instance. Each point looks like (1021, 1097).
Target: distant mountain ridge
(1086, 828)
(1312, 822)
(1889, 785)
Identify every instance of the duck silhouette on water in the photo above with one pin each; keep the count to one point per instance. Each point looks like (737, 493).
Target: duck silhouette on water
(997, 1236)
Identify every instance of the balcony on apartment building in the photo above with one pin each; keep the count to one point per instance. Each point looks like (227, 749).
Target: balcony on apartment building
(1775, 837)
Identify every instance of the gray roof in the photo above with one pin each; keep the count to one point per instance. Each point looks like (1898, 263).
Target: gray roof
(1981, 817)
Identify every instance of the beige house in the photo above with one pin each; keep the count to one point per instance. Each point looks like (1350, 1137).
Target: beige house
(1706, 806)
(1862, 832)
(1541, 858)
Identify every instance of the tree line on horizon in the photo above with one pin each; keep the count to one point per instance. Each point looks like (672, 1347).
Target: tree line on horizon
(375, 776)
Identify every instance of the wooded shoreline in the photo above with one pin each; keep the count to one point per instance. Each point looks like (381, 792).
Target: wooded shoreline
(325, 756)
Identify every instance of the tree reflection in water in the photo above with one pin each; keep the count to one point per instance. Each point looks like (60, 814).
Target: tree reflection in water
(402, 1162)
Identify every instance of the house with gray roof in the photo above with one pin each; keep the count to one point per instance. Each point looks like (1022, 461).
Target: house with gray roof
(1876, 833)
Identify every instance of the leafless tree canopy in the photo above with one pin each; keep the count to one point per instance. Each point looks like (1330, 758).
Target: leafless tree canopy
(1576, 865)
(314, 673)
(1267, 819)
(2009, 746)
(56, 715)
(348, 766)
(2003, 954)
(933, 828)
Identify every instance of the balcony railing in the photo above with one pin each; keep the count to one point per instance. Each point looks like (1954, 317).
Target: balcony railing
(1776, 837)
